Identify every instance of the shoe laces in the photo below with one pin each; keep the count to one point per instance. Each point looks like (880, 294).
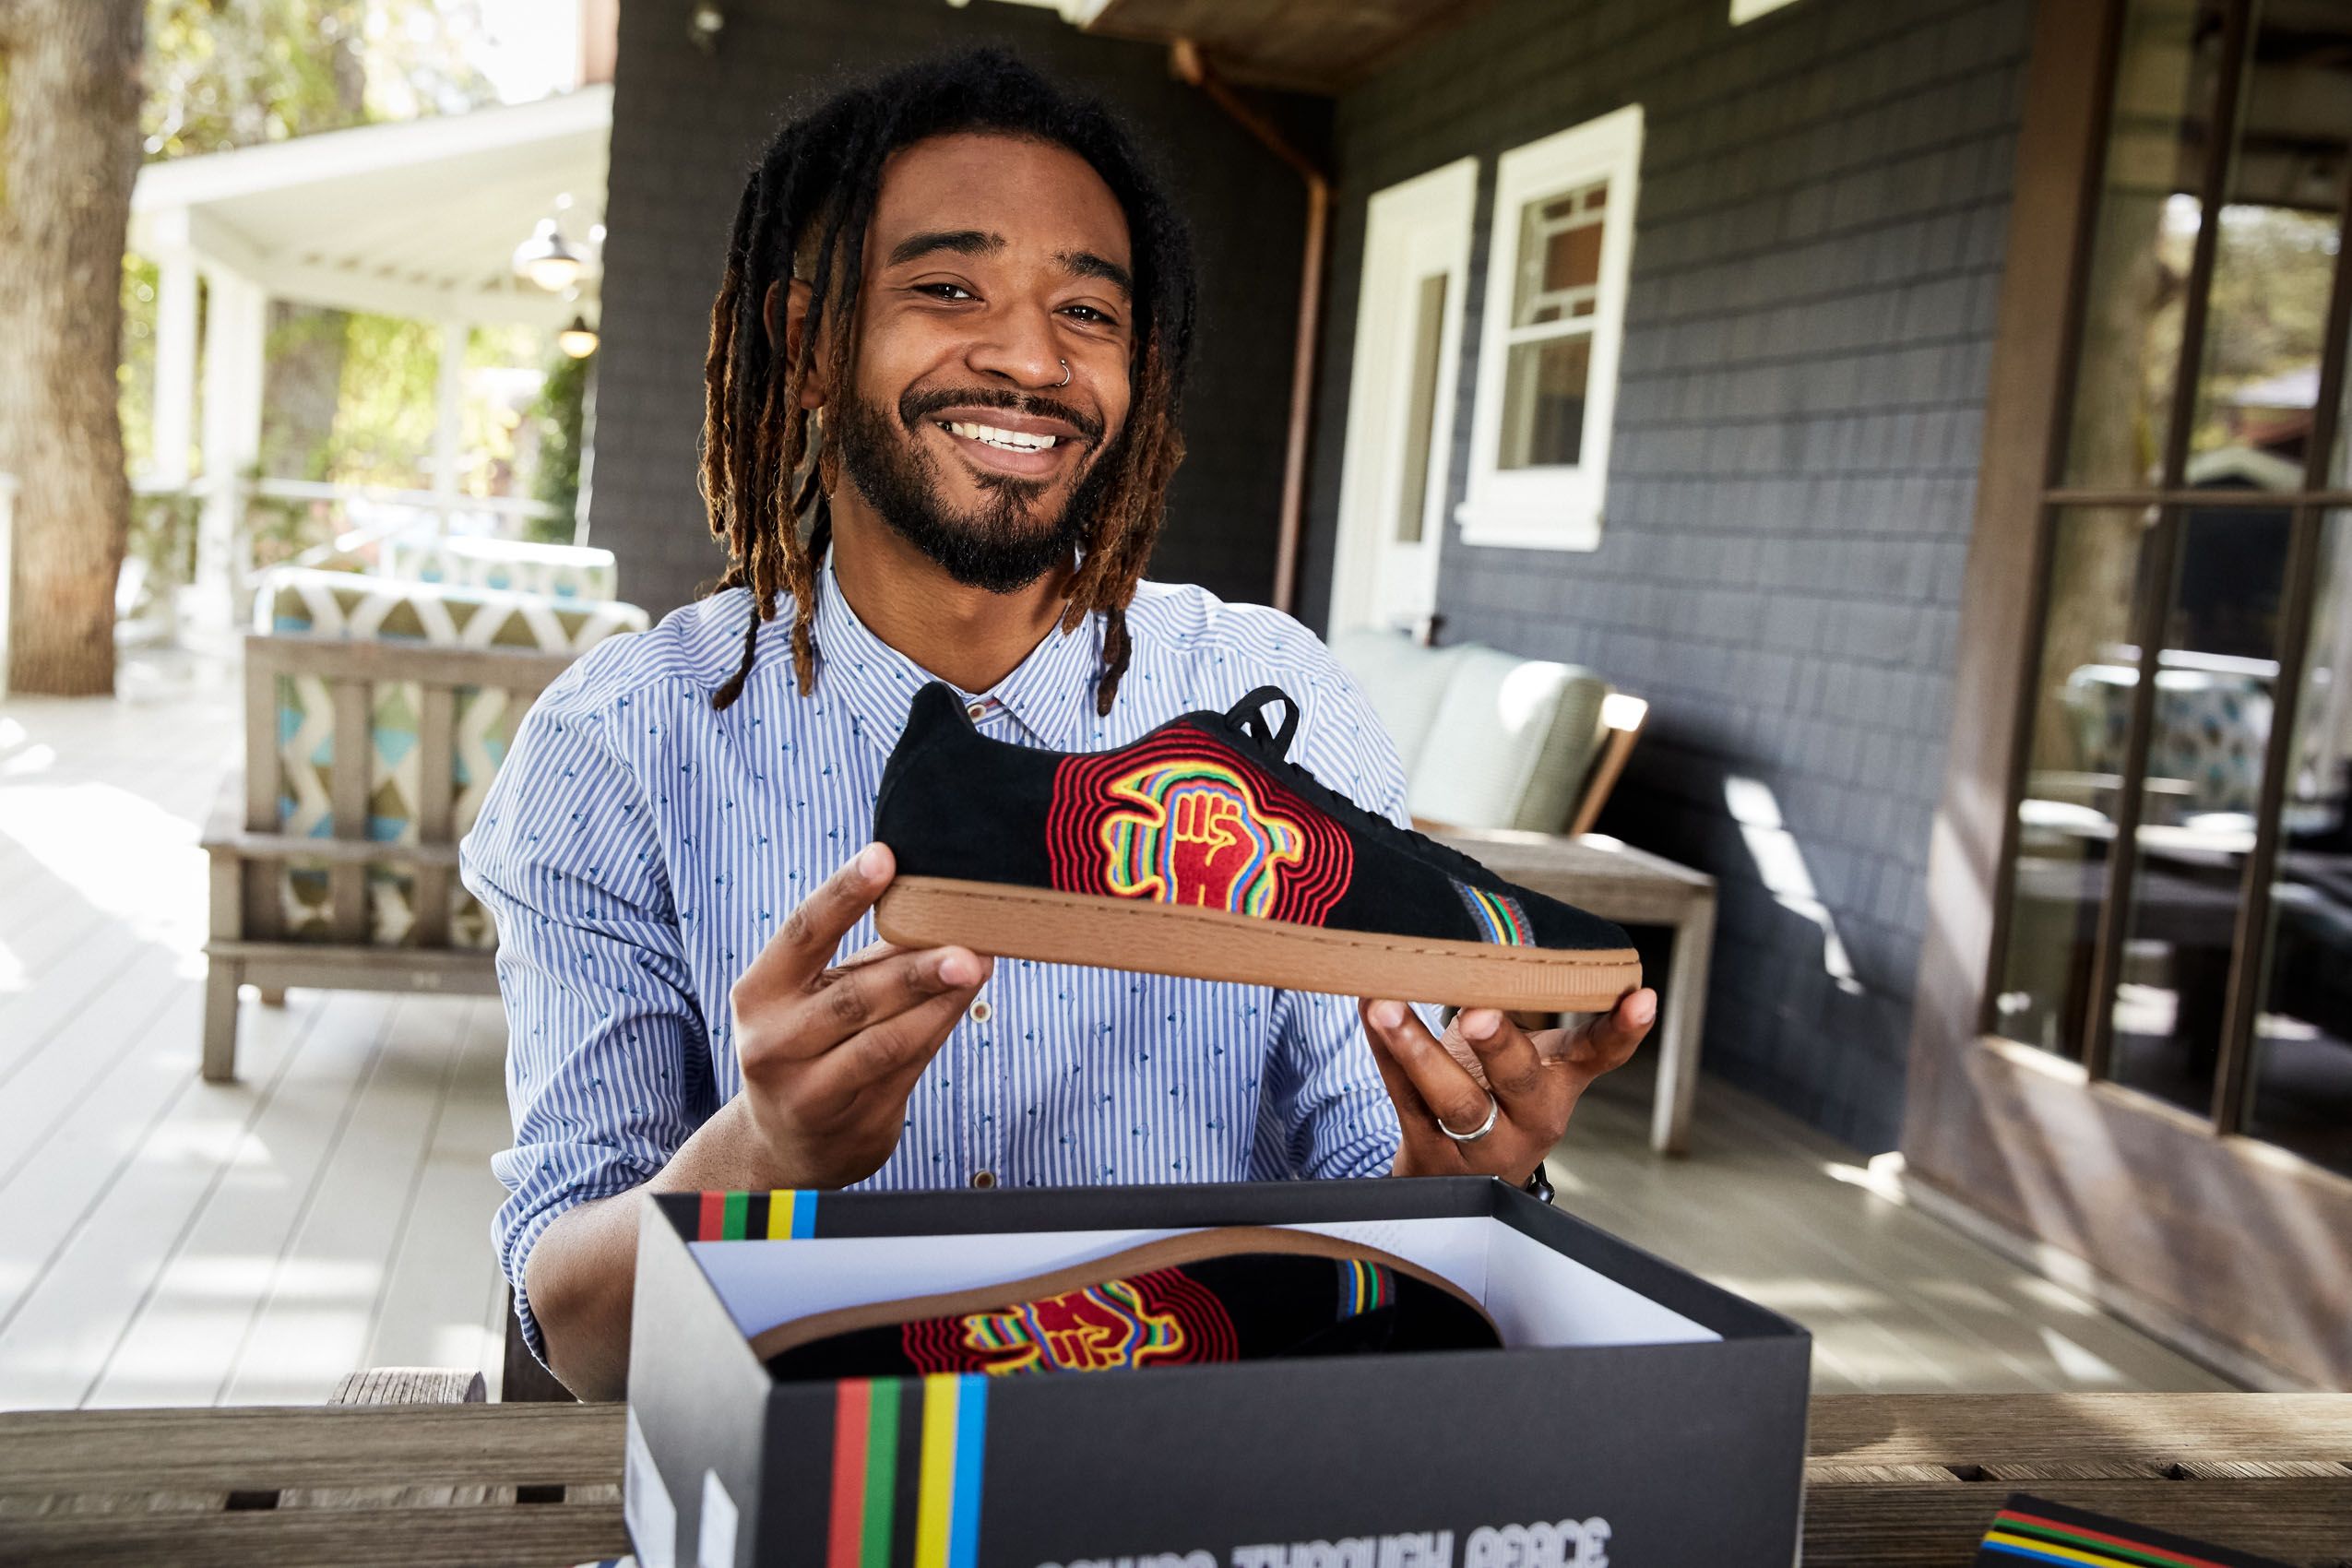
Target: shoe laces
(1270, 746)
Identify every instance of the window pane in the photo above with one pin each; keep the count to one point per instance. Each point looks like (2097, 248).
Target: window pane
(2274, 256)
(1543, 402)
(2300, 1077)
(2065, 819)
(1429, 326)
(2144, 235)
(1559, 255)
(2206, 739)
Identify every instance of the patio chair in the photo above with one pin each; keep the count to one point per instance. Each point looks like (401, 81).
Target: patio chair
(1510, 760)
(376, 712)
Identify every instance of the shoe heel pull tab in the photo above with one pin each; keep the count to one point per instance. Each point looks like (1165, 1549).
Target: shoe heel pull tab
(1249, 714)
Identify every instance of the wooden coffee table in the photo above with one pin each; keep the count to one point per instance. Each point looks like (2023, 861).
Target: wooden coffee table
(1630, 887)
(1892, 1481)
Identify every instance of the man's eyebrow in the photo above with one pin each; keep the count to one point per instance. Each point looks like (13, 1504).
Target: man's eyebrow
(1086, 264)
(963, 242)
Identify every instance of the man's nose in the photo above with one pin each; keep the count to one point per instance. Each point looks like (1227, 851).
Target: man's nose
(1017, 346)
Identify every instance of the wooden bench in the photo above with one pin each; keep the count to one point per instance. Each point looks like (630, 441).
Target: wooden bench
(250, 944)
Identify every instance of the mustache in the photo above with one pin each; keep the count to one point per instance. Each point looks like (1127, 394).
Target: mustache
(915, 407)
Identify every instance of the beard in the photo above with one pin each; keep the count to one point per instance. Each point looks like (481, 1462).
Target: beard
(1006, 543)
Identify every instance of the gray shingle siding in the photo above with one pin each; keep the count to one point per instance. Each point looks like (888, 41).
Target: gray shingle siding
(1809, 328)
(687, 125)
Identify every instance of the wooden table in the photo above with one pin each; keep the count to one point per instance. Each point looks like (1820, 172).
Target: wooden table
(1630, 887)
(1892, 1481)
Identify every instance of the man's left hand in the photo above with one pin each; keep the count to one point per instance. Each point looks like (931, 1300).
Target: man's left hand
(1531, 1082)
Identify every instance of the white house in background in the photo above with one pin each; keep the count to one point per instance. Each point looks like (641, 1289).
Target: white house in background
(418, 219)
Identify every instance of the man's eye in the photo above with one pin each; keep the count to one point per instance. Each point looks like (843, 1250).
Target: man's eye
(1093, 316)
(954, 291)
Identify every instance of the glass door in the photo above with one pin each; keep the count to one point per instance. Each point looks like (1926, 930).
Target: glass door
(2176, 895)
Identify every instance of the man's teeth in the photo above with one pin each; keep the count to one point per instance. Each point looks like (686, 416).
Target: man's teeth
(1011, 440)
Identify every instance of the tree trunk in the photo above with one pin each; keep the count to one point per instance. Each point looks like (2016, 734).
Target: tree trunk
(69, 152)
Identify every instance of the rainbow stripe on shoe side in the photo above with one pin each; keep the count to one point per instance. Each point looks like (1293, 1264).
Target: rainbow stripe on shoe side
(1499, 918)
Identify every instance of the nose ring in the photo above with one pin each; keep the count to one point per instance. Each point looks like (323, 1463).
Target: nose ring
(1065, 375)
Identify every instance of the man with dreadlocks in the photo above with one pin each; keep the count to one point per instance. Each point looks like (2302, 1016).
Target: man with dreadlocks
(946, 360)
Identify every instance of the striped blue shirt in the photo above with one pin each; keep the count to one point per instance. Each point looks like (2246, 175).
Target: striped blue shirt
(636, 850)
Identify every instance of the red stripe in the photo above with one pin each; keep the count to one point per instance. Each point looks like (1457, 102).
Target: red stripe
(852, 1404)
(2087, 1533)
(714, 1217)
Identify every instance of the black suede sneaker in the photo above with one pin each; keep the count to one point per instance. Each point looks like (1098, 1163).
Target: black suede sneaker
(1238, 1294)
(1199, 850)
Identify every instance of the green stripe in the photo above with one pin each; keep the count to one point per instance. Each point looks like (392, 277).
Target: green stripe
(2081, 1543)
(882, 1471)
(738, 1205)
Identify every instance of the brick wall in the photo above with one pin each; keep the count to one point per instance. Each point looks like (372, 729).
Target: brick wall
(688, 125)
(1809, 327)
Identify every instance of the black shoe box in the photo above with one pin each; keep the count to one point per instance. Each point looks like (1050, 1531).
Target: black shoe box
(1636, 1415)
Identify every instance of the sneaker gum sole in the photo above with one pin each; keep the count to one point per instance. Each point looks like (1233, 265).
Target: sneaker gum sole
(1175, 939)
(1193, 1246)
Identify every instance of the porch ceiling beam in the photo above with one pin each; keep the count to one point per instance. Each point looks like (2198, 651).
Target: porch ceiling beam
(1315, 46)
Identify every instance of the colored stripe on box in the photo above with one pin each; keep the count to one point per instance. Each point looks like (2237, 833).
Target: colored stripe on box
(712, 1225)
(2061, 1542)
(738, 1211)
(853, 1419)
(949, 1456)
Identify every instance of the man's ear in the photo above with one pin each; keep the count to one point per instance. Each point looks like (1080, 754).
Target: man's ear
(790, 302)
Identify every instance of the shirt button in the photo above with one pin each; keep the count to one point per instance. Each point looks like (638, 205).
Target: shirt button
(981, 1011)
(978, 710)
(983, 1178)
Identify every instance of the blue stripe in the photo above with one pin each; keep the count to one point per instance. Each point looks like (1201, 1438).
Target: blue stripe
(972, 1444)
(637, 851)
(2009, 1551)
(803, 1213)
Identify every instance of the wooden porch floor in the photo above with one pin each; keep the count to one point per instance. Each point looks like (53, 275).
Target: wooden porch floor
(167, 1241)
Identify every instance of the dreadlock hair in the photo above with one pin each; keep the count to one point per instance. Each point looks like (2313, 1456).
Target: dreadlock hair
(767, 465)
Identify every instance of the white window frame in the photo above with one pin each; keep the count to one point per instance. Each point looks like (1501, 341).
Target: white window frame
(1411, 228)
(1556, 506)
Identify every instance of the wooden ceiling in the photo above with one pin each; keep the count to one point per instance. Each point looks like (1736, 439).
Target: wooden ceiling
(1319, 46)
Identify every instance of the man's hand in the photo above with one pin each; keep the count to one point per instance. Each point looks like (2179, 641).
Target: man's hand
(1536, 1081)
(831, 1054)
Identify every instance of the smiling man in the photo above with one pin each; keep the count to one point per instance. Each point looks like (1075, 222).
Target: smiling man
(945, 369)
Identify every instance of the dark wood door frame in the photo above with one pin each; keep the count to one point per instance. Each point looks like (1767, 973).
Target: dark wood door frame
(2236, 1250)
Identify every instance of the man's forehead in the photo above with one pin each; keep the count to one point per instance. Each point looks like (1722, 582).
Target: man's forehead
(1025, 193)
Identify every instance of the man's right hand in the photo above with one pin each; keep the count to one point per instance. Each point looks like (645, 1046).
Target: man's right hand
(831, 1052)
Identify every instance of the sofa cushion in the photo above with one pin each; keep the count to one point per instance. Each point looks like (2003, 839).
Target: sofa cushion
(551, 571)
(1510, 744)
(341, 604)
(1403, 680)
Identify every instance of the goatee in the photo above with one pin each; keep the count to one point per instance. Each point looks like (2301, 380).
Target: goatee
(1004, 545)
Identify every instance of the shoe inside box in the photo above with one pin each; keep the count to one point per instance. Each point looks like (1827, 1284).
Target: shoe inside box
(1538, 1298)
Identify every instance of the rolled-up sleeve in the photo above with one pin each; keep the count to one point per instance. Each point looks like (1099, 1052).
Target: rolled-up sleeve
(607, 1053)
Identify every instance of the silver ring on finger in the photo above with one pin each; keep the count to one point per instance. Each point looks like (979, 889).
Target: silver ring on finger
(1493, 1112)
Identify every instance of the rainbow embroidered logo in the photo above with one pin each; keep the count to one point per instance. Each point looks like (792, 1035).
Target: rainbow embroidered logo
(1175, 820)
(1098, 1329)
(1193, 833)
(1497, 916)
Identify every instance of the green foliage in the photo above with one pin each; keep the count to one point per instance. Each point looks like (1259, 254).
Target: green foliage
(561, 415)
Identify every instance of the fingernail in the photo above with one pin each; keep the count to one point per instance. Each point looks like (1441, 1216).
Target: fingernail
(1480, 1022)
(959, 968)
(1387, 1014)
(870, 862)
(1643, 1008)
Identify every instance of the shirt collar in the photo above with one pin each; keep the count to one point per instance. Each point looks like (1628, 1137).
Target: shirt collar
(1049, 693)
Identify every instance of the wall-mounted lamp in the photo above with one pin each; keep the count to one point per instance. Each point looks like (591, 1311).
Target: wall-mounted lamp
(579, 339)
(705, 25)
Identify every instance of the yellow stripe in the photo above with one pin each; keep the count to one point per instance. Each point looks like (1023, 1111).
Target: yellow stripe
(780, 1215)
(935, 1491)
(2002, 1538)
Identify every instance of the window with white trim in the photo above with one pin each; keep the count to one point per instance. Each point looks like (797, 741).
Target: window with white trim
(1557, 260)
